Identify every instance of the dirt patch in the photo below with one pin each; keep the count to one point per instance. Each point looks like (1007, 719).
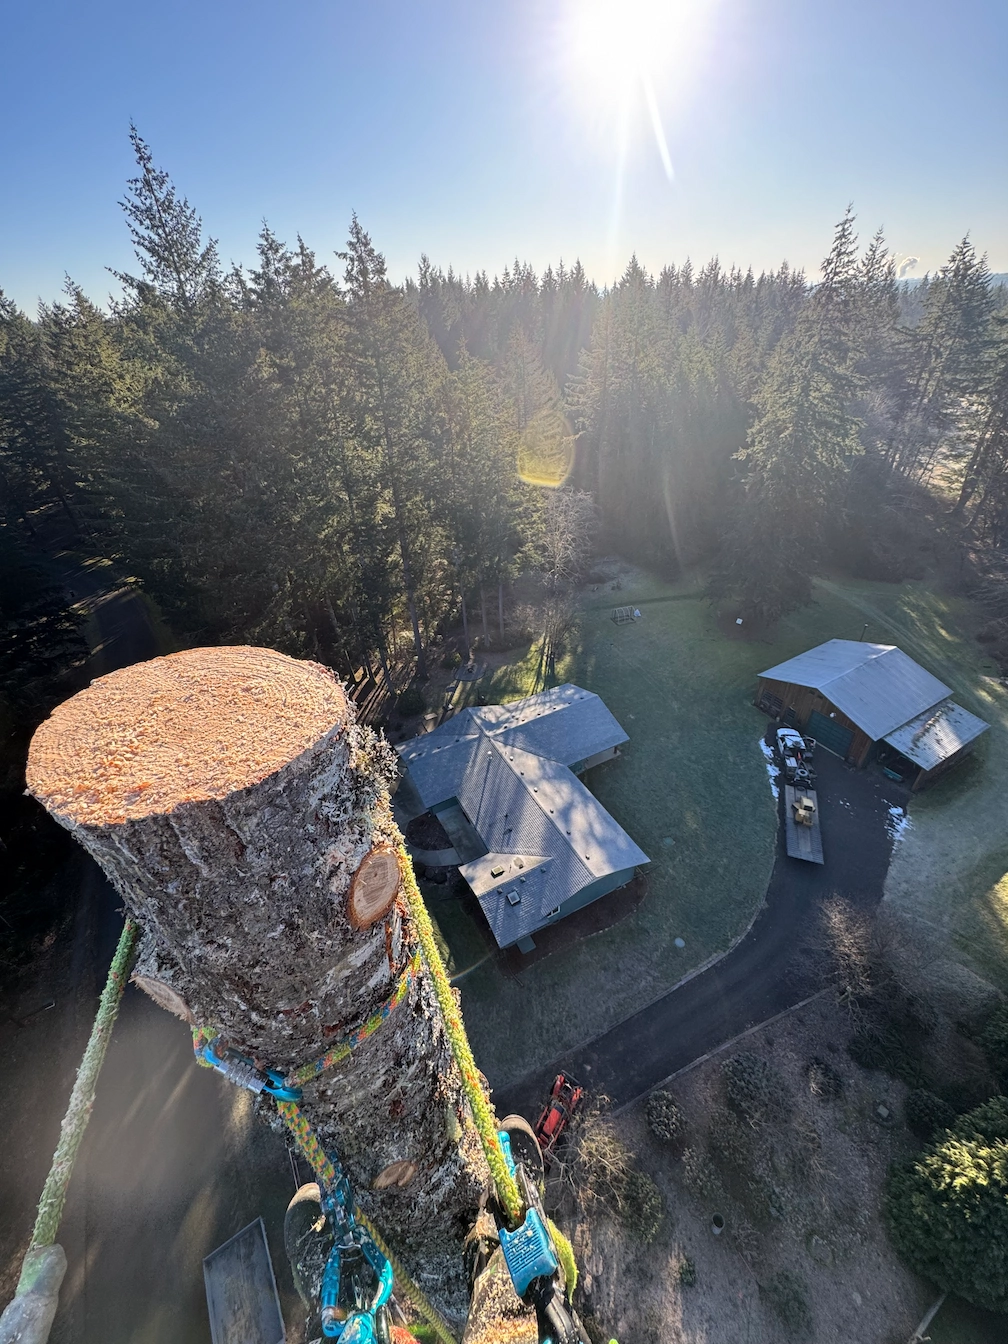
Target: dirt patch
(426, 832)
(799, 1194)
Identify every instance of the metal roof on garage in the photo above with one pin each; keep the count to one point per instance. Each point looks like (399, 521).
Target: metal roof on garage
(937, 734)
(877, 686)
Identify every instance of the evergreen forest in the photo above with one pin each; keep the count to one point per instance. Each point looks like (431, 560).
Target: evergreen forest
(306, 455)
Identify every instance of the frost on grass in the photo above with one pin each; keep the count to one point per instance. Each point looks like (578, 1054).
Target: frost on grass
(897, 824)
(772, 768)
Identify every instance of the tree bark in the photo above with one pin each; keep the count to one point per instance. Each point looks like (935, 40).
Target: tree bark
(233, 801)
(500, 607)
(465, 625)
(486, 636)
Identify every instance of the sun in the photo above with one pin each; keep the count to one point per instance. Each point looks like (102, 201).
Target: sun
(613, 41)
(621, 53)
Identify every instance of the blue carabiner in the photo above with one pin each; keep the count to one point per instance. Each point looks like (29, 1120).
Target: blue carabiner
(277, 1087)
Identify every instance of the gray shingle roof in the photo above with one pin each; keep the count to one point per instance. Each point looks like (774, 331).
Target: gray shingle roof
(567, 724)
(876, 685)
(537, 819)
(437, 761)
(937, 734)
(534, 898)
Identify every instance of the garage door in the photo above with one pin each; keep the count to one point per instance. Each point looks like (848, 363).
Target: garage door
(830, 734)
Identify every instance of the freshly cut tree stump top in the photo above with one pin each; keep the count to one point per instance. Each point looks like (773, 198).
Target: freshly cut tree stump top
(192, 727)
(243, 816)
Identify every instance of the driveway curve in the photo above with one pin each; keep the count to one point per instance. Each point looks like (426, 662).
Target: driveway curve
(756, 979)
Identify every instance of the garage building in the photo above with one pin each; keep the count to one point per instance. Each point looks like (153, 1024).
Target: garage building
(861, 701)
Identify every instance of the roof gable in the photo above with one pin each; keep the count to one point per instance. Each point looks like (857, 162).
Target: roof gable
(567, 724)
(877, 686)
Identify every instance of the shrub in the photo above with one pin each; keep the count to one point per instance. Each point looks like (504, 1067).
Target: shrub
(744, 1236)
(729, 1141)
(785, 1294)
(763, 1199)
(698, 1172)
(451, 660)
(947, 1209)
(412, 702)
(665, 1120)
(824, 1081)
(993, 1041)
(641, 1207)
(687, 1272)
(926, 1114)
(755, 1090)
(881, 1048)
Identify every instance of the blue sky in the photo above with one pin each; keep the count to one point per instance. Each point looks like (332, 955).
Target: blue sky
(479, 131)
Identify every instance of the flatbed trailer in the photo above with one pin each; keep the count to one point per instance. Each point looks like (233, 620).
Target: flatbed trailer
(803, 842)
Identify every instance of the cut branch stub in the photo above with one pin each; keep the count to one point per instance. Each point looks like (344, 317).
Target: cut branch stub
(397, 1173)
(165, 996)
(374, 887)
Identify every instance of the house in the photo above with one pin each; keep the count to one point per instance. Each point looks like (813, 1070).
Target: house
(549, 846)
(863, 700)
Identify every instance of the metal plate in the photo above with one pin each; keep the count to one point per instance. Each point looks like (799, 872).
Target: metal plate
(241, 1290)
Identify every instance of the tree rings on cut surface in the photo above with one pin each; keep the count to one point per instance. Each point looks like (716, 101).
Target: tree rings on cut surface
(189, 728)
(398, 1173)
(374, 887)
(165, 996)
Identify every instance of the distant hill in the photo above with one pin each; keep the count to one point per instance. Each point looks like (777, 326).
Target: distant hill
(912, 281)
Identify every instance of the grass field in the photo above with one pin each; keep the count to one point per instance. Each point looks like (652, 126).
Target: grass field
(691, 789)
(951, 867)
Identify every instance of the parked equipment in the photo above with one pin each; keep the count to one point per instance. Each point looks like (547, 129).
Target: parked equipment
(801, 824)
(564, 1099)
(793, 754)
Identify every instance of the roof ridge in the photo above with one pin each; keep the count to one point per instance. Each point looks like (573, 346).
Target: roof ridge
(565, 836)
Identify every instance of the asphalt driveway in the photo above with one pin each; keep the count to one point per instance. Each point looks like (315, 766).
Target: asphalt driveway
(757, 978)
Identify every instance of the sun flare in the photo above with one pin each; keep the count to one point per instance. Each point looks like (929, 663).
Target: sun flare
(625, 53)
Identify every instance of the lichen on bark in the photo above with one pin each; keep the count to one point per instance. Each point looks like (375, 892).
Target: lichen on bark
(230, 796)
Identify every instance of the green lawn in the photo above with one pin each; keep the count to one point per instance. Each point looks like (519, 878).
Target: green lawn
(951, 867)
(691, 789)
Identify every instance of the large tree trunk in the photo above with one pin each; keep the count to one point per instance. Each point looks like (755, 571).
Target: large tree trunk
(486, 635)
(244, 818)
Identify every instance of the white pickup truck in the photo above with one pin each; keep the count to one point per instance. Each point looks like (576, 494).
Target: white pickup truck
(793, 753)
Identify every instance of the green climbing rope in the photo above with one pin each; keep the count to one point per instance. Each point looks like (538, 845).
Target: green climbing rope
(506, 1185)
(50, 1208)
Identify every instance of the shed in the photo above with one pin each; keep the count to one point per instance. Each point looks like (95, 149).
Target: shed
(851, 696)
(934, 741)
